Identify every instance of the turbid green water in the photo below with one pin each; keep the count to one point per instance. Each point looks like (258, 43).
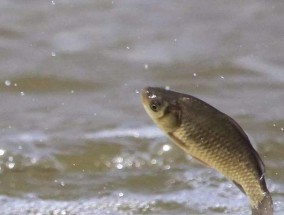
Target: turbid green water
(75, 138)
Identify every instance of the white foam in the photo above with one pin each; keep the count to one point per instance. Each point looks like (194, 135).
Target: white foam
(142, 132)
(36, 136)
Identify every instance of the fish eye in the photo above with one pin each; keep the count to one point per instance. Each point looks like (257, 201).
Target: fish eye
(155, 106)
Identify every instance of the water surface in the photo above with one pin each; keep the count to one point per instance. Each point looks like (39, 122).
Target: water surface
(74, 136)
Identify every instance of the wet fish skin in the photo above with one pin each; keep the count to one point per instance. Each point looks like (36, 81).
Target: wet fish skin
(213, 138)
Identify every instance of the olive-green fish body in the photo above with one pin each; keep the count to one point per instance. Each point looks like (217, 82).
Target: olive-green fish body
(213, 138)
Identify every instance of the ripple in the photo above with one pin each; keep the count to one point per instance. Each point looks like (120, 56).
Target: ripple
(46, 84)
(272, 71)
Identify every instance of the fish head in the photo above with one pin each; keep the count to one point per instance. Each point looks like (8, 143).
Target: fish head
(163, 108)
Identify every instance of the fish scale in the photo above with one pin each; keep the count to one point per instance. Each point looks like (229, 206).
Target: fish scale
(223, 162)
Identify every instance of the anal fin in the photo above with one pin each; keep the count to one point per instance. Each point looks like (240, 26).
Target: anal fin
(240, 187)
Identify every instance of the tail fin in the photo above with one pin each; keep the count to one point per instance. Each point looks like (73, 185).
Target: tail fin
(265, 207)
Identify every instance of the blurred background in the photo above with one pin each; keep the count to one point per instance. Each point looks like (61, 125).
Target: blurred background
(75, 138)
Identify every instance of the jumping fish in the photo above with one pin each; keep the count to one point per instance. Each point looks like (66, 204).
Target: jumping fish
(213, 138)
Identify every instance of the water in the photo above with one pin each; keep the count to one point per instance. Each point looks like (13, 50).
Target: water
(74, 136)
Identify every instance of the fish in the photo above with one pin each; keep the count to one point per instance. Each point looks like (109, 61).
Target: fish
(213, 138)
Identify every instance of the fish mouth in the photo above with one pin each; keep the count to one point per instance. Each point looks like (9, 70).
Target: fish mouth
(150, 93)
(145, 95)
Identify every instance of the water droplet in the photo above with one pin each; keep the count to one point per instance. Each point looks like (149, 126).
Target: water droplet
(166, 167)
(62, 183)
(194, 74)
(282, 129)
(274, 125)
(166, 148)
(138, 164)
(146, 66)
(137, 91)
(167, 88)
(175, 40)
(63, 212)
(15, 84)
(121, 194)
(2, 152)
(119, 166)
(72, 91)
(153, 161)
(11, 165)
(53, 54)
(7, 83)
(118, 159)
(136, 134)
(53, 2)
(22, 93)
(222, 77)
(127, 47)
(33, 160)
